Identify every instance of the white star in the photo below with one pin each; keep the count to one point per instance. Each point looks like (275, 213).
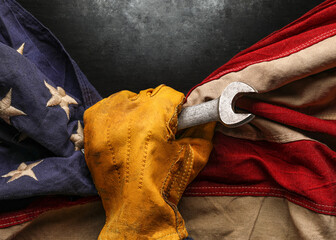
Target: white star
(20, 49)
(6, 110)
(59, 97)
(78, 138)
(23, 170)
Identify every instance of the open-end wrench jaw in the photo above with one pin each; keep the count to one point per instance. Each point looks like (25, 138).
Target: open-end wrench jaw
(226, 104)
(220, 109)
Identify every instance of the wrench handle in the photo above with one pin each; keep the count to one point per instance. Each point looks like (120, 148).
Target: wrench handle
(198, 114)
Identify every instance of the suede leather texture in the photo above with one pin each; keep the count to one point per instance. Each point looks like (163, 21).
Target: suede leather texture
(139, 167)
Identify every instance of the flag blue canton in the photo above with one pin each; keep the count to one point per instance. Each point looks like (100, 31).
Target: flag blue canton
(43, 95)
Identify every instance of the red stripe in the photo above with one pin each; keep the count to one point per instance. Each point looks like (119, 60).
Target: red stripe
(39, 206)
(287, 116)
(313, 27)
(304, 172)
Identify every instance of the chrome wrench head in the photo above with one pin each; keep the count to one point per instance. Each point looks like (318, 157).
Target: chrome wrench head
(220, 109)
(227, 100)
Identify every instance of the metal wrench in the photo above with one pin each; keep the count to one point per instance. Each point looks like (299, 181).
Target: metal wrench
(220, 109)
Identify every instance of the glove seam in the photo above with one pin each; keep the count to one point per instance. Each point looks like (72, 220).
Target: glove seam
(128, 153)
(169, 185)
(176, 176)
(174, 208)
(163, 193)
(186, 175)
(144, 159)
(172, 128)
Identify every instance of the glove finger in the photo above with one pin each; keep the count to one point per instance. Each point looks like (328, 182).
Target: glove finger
(172, 108)
(151, 92)
(122, 96)
(193, 150)
(163, 105)
(199, 139)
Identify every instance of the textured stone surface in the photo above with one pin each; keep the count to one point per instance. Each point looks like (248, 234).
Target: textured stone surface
(136, 44)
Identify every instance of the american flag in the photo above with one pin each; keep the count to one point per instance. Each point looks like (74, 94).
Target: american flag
(274, 178)
(43, 95)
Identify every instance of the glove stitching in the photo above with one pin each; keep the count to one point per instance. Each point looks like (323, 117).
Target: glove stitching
(163, 193)
(169, 175)
(174, 208)
(175, 177)
(172, 127)
(183, 171)
(142, 171)
(184, 181)
(186, 175)
(110, 148)
(128, 153)
(177, 174)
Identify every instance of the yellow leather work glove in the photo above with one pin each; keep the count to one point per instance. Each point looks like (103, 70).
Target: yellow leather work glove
(140, 170)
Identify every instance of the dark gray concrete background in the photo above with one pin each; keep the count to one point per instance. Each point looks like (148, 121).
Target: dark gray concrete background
(137, 44)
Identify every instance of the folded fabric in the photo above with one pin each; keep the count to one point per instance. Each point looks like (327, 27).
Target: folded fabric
(43, 96)
(288, 150)
(216, 218)
(80, 222)
(138, 166)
